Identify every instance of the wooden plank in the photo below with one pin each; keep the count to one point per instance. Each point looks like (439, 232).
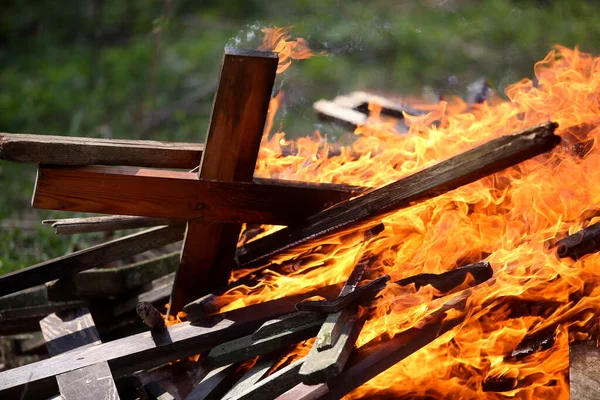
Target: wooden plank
(246, 347)
(303, 391)
(65, 150)
(231, 149)
(584, 371)
(286, 322)
(92, 257)
(106, 282)
(273, 385)
(144, 350)
(252, 376)
(360, 101)
(214, 383)
(70, 226)
(447, 281)
(457, 171)
(75, 329)
(348, 118)
(179, 195)
(150, 315)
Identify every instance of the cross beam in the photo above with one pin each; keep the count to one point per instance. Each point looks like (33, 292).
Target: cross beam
(230, 152)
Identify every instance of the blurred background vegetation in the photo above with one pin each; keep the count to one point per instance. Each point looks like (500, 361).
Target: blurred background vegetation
(146, 69)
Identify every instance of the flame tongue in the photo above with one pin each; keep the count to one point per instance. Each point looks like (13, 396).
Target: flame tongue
(505, 219)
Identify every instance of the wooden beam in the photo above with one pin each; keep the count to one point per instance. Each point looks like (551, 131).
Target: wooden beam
(181, 195)
(92, 257)
(106, 282)
(253, 375)
(584, 371)
(65, 150)
(214, 383)
(579, 244)
(70, 226)
(144, 350)
(457, 171)
(348, 118)
(447, 281)
(73, 329)
(231, 149)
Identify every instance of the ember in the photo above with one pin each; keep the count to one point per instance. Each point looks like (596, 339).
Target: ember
(456, 259)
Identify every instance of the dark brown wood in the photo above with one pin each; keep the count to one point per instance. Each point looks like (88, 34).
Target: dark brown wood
(89, 258)
(447, 281)
(584, 371)
(273, 385)
(247, 347)
(179, 195)
(106, 282)
(39, 311)
(70, 226)
(460, 170)
(360, 295)
(65, 150)
(373, 358)
(144, 350)
(579, 244)
(75, 329)
(214, 383)
(150, 315)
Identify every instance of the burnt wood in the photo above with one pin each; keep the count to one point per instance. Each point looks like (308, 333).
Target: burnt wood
(283, 323)
(75, 329)
(581, 243)
(65, 150)
(70, 226)
(253, 375)
(457, 171)
(144, 350)
(231, 149)
(89, 258)
(348, 118)
(214, 383)
(447, 281)
(150, 315)
(179, 195)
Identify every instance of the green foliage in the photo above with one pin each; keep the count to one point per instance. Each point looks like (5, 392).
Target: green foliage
(99, 67)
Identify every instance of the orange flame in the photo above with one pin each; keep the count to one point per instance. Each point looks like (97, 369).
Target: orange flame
(505, 219)
(279, 41)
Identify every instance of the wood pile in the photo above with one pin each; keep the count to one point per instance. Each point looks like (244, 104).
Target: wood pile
(202, 194)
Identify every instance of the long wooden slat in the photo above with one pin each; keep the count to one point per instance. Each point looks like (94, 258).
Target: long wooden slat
(214, 384)
(173, 194)
(231, 149)
(447, 175)
(144, 350)
(92, 257)
(73, 329)
(70, 226)
(64, 150)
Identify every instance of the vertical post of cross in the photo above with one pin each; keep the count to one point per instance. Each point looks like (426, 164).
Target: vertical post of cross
(230, 152)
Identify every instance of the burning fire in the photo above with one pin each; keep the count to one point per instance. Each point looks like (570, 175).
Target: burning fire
(279, 41)
(506, 219)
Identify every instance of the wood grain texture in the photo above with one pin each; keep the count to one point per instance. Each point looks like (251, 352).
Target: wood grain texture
(214, 383)
(231, 149)
(252, 376)
(65, 150)
(75, 329)
(89, 258)
(457, 171)
(106, 282)
(584, 371)
(70, 226)
(144, 350)
(181, 195)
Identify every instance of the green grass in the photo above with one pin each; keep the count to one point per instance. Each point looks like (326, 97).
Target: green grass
(55, 79)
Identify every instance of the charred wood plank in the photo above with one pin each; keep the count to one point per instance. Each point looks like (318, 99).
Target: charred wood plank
(360, 101)
(247, 347)
(65, 150)
(75, 329)
(252, 376)
(70, 226)
(275, 384)
(179, 195)
(457, 171)
(214, 383)
(150, 315)
(348, 118)
(144, 350)
(579, 244)
(231, 149)
(106, 282)
(89, 258)
(286, 322)
(372, 359)
(584, 368)
(445, 282)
